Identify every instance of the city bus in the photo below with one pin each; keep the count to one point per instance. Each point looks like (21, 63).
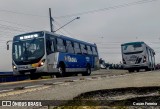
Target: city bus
(46, 53)
(137, 55)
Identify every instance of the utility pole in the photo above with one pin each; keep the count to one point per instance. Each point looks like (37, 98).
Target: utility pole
(51, 20)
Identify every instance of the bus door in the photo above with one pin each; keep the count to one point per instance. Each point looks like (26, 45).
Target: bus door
(96, 58)
(50, 49)
(152, 57)
(90, 57)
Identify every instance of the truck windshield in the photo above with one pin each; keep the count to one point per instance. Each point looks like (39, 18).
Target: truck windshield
(28, 51)
(132, 48)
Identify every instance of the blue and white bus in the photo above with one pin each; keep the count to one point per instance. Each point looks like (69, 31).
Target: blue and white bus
(137, 55)
(46, 53)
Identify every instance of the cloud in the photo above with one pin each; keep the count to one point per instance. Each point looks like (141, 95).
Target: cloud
(133, 23)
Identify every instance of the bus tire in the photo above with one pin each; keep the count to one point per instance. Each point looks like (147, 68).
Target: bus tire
(148, 69)
(87, 72)
(130, 70)
(61, 71)
(153, 67)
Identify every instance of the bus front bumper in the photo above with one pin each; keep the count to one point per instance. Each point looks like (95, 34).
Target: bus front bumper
(136, 66)
(28, 70)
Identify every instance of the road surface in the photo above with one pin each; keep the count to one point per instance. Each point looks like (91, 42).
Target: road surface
(73, 86)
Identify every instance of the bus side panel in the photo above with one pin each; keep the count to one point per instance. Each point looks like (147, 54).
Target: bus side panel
(75, 62)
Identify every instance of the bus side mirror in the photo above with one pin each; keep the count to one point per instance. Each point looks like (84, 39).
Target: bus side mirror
(7, 43)
(7, 46)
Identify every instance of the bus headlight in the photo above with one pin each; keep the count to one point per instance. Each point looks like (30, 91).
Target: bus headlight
(39, 64)
(14, 67)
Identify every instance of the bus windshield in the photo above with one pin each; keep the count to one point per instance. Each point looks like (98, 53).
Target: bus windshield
(28, 51)
(134, 48)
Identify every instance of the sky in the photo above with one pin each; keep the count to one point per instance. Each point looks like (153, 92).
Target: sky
(108, 23)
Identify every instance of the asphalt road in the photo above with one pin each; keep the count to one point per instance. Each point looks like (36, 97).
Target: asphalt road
(9, 86)
(68, 89)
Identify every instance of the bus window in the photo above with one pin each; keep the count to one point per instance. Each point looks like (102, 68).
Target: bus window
(94, 51)
(69, 47)
(50, 44)
(60, 45)
(18, 50)
(89, 51)
(76, 48)
(83, 49)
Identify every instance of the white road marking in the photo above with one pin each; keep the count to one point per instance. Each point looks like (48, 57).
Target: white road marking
(6, 90)
(58, 83)
(34, 86)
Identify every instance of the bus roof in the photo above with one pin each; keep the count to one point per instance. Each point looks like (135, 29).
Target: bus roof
(130, 43)
(76, 40)
(71, 39)
(60, 36)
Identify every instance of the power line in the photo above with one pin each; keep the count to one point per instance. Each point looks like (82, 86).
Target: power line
(8, 33)
(116, 48)
(10, 26)
(82, 13)
(86, 12)
(2, 10)
(108, 8)
(16, 23)
(115, 43)
(58, 25)
(110, 52)
(11, 29)
(68, 32)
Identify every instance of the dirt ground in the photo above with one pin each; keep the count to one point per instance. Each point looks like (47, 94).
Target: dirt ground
(122, 98)
(125, 98)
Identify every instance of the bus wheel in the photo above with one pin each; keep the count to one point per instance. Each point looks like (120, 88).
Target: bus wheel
(61, 71)
(130, 70)
(87, 72)
(137, 70)
(153, 68)
(147, 69)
